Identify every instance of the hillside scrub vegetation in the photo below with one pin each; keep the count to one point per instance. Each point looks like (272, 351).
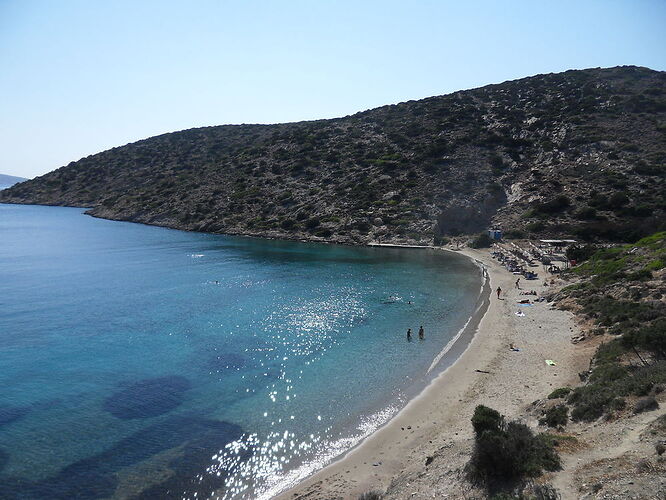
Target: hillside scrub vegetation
(622, 292)
(576, 153)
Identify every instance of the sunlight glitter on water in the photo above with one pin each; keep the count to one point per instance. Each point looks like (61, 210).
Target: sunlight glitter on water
(145, 352)
(260, 469)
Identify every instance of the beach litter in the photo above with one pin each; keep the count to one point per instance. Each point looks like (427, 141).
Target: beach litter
(520, 313)
(550, 362)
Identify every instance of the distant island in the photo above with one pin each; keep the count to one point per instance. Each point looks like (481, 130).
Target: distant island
(9, 180)
(579, 153)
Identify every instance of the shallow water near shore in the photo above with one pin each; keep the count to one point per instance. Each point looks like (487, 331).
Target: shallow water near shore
(143, 362)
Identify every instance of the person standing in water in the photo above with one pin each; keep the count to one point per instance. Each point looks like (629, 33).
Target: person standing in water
(421, 333)
(499, 290)
(409, 334)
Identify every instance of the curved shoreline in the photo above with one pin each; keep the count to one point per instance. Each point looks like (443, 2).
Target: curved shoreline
(435, 424)
(448, 383)
(466, 333)
(447, 356)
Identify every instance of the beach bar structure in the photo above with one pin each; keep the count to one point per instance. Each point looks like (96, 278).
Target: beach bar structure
(556, 248)
(558, 244)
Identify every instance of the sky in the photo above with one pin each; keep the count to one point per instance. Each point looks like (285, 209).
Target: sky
(81, 76)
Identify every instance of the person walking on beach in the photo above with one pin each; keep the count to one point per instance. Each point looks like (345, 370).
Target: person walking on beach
(409, 334)
(421, 333)
(518, 283)
(499, 290)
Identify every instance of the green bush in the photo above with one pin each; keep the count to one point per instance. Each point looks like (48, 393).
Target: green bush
(642, 380)
(640, 275)
(580, 253)
(482, 240)
(557, 204)
(608, 310)
(559, 393)
(514, 234)
(486, 419)
(507, 452)
(618, 200)
(655, 265)
(654, 241)
(608, 372)
(557, 416)
(609, 352)
(586, 213)
(288, 224)
(312, 223)
(323, 232)
(590, 402)
(651, 337)
(603, 395)
(535, 227)
(646, 404)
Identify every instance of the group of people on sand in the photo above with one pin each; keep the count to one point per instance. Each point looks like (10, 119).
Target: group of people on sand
(522, 301)
(421, 334)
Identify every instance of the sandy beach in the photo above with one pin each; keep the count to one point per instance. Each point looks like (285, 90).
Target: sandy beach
(435, 426)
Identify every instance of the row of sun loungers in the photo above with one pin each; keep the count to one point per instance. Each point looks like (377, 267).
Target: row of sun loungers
(513, 260)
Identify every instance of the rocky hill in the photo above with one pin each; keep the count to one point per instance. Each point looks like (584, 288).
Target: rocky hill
(577, 153)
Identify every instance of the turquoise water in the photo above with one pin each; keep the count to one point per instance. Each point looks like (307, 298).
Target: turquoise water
(142, 362)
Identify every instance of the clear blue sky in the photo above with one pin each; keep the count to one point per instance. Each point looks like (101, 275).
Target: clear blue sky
(81, 76)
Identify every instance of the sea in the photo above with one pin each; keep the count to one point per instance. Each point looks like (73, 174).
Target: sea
(143, 362)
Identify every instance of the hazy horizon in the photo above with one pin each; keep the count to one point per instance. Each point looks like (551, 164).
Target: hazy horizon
(81, 78)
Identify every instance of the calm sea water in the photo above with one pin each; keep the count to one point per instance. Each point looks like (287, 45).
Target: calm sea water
(142, 362)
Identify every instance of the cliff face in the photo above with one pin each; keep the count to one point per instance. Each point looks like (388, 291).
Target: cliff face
(580, 152)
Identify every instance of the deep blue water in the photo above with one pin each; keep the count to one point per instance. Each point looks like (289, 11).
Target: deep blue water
(142, 362)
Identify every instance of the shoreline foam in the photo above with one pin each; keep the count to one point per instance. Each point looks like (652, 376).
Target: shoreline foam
(447, 356)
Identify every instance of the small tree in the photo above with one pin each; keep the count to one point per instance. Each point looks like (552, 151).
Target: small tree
(481, 241)
(487, 419)
(557, 416)
(580, 253)
(506, 453)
